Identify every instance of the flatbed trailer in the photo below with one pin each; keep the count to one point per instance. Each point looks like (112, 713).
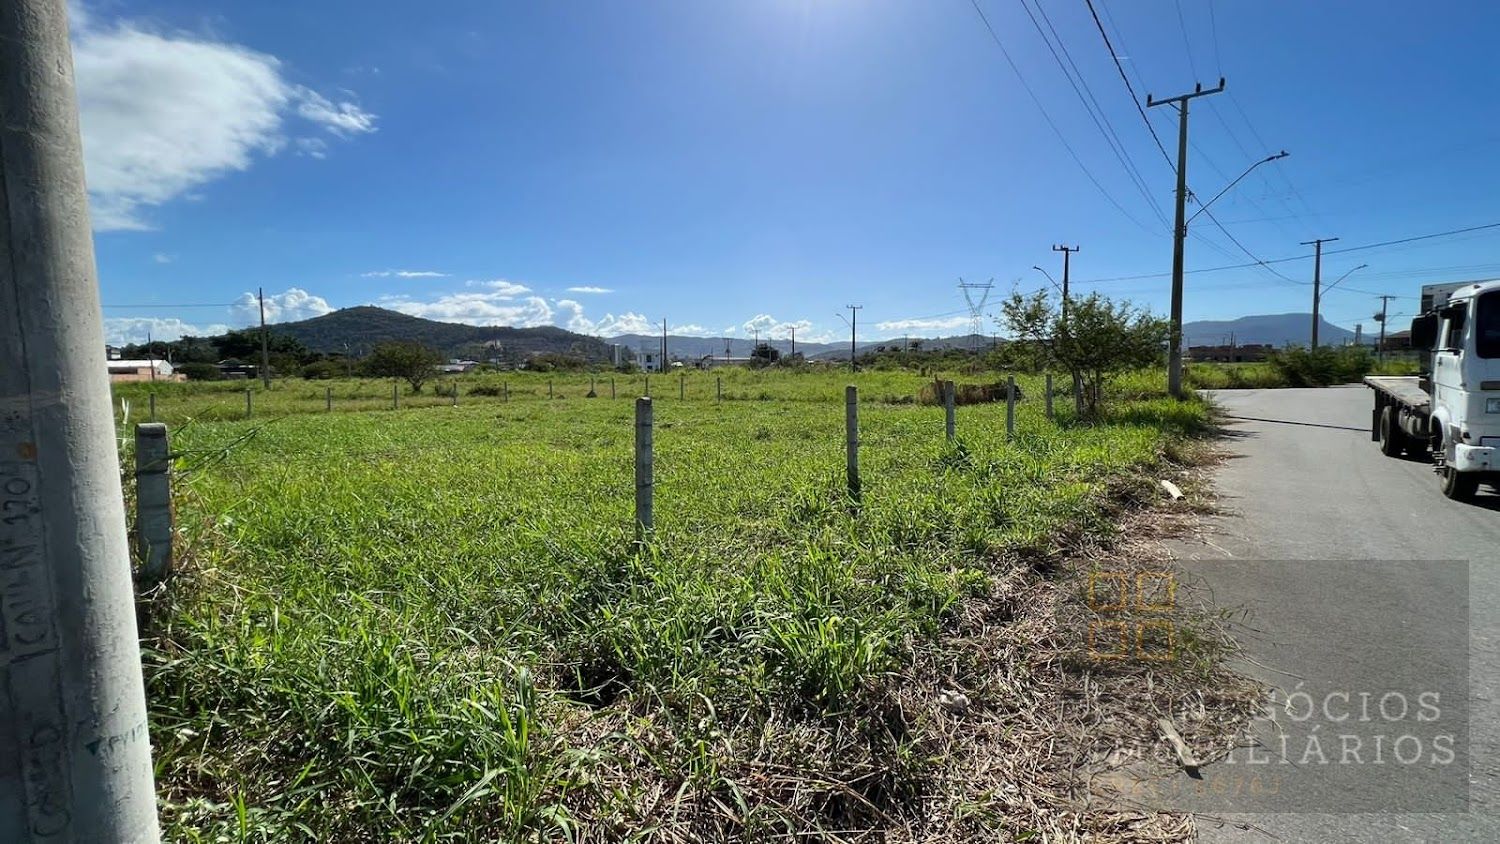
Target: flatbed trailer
(1400, 420)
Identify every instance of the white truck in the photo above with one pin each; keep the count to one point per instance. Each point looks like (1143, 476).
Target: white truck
(1451, 411)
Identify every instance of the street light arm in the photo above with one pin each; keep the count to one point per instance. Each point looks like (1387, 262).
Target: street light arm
(1049, 277)
(1268, 159)
(1342, 277)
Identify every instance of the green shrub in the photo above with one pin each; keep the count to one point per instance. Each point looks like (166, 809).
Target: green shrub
(322, 370)
(1320, 367)
(200, 372)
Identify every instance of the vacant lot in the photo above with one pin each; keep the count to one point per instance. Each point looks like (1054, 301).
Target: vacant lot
(432, 623)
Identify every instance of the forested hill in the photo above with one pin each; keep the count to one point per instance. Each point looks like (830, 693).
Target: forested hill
(359, 329)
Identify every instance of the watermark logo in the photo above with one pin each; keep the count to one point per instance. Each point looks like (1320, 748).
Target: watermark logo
(1132, 615)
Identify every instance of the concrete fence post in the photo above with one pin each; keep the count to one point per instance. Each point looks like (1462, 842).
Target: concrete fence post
(851, 439)
(455, 395)
(593, 393)
(328, 399)
(681, 387)
(611, 387)
(1010, 406)
(644, 482)
(249, 404)
(719, 387)
(648, 386)
(1049, 395)
(152, 396)
(1077, 395)
(950, 397)
(549, 388)
(153, 500)
(505, 391)
(395, 395)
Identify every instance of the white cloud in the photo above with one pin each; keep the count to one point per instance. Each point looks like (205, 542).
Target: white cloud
(589, 289)
(312, 147)
(404, 274)
(342, 119)
(119, 331)
(610, 325)
(927, 324)
(497, 308)
(771, 327)
(295, 304)
(165, 113)
(500, 287)
(163, 258)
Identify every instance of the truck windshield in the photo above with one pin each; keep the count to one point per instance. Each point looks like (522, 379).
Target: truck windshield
(1487, 325)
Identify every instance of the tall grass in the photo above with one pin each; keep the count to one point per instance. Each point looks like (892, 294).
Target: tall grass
(431, 624)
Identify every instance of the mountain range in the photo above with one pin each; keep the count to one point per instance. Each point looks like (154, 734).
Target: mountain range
(357, 330)
(1267, 329)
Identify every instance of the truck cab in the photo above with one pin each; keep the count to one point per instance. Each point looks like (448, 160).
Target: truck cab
(1460, 331)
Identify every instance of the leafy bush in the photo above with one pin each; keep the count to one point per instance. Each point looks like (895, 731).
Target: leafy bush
(322, 370)
(1322, 366)
(200, 371)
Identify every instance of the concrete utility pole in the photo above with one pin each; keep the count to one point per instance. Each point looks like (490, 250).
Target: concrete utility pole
(265, 352)
(75, 760)
(1066, 252)
(853, 332)
(663, 365)
(1179, 232)
(1317, 246)
(1380, 318)
(793, 355)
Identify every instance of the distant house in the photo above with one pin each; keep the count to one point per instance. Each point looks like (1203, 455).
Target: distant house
(712, 361)
(234, 370)
(456, 366)
(142, 370)
(1243, 353)
(648, 361)
(1399, 341)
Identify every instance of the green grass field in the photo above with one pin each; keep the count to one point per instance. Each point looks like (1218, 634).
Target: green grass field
(432, 624)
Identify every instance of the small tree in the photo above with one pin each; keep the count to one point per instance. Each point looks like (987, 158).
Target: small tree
(404, 359)
(1093, 339)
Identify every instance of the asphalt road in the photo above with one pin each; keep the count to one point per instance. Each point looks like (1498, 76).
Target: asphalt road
(1333, 554)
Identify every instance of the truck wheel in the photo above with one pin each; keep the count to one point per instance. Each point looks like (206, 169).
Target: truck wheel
(1459, 486)
(1392, 438)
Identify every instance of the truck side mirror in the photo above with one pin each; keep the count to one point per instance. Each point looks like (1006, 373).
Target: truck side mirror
(1424, 331)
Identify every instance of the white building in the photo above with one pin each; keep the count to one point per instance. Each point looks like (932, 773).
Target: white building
(141, 370)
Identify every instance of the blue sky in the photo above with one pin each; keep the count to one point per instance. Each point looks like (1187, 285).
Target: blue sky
(730, 166)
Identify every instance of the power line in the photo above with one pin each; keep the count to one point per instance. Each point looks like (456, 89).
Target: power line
(1182, 24)
(994, 36)
(1213, 25)
(1232, 239)
(1379, 245)
(1134, 100)
(1091, 105)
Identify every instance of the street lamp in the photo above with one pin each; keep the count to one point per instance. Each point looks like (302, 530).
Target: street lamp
(1344, 276)
(1267, 160)
(1318, 301)
(1048, 275)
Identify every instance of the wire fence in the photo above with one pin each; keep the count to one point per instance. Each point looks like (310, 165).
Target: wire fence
(249, 450)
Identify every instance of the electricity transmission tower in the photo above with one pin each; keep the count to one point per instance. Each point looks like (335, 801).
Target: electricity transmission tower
(971, 290)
